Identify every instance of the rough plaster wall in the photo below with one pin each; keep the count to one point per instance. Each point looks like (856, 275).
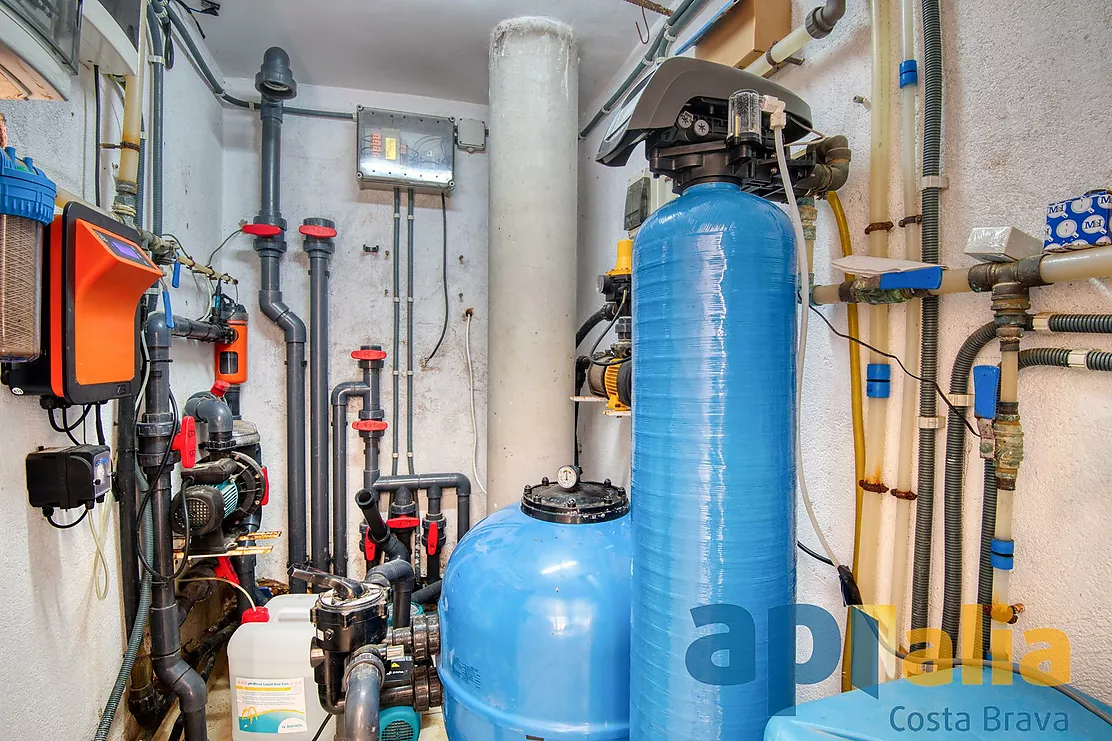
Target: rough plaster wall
(318, 179)
(1013, 143)
(47, 598)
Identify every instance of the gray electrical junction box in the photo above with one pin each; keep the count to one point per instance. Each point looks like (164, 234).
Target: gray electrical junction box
(404, 150)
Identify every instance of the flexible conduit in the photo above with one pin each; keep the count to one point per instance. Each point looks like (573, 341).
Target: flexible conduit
(714, 338)
(138, 627)
(928, 354)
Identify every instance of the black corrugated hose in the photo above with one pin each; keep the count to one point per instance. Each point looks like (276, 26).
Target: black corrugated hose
(984, 570)
(1084, 323)
(955, 480)
(1058, 357)
(928, 353)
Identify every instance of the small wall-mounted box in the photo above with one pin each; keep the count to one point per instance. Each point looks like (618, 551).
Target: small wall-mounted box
(1077, 223)
(1001, 244)
(744, 31)
(405, 150)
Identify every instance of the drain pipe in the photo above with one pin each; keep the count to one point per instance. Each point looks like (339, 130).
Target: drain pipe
(397, 329)
(409, 333)
(275, 83)
(156, 434)
(320, 245)
(363, 680)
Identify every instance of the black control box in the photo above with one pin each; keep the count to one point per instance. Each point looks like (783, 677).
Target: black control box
(63, 478)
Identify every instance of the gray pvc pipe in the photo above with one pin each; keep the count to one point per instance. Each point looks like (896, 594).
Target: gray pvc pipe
(397, 329)
(409, 333)
(363, 679)
(158, 71)
(320, 252)
(156, 435)
(340, 396)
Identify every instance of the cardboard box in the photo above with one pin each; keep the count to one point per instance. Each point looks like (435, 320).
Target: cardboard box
(745, 31)
(1077, 223)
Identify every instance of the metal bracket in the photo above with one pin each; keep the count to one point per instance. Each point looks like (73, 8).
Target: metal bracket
(987, 446)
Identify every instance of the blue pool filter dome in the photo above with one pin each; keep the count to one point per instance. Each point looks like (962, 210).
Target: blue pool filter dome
(534, 616)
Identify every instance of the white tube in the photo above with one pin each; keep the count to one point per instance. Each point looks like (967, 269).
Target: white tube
(534, 81)
(781, 50)
(909, 402)
(876, 427)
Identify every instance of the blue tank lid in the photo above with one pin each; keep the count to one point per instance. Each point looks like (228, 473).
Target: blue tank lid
(25, 190)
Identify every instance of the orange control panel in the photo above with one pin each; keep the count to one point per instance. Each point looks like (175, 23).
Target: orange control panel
(98, 273)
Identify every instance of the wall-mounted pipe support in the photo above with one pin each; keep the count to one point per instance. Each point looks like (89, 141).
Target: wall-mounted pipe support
(818, 24)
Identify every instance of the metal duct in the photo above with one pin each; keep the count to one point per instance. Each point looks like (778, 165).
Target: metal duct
(712, 638)
(534, 80)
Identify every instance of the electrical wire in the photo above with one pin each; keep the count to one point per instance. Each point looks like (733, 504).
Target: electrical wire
(617, 315)
(101, 575)
(226, 581)
(801, 350)
(814, 554)
(221, 246)
(890, 356)
(145, 502)
(322, 725)
(444, 269)
(96, 135)
(474, 420)
(75, 523)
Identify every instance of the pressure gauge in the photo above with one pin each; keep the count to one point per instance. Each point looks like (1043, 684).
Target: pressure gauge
(567, 477)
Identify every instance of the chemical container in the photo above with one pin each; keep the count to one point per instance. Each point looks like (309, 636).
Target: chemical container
(274, 694)
(534, 619)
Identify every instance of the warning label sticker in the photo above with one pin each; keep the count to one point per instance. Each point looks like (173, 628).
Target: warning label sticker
(271, 705)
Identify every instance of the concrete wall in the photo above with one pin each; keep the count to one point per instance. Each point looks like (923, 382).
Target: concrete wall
(63, 646)
(318, 179)
(1018, 135)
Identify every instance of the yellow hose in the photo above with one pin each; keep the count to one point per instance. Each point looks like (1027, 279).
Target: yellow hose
(857, 410)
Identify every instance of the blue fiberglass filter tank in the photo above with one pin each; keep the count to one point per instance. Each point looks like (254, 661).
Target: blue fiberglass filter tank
(534, 617)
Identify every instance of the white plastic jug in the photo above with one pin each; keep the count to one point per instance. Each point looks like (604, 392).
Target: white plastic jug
(274, 695)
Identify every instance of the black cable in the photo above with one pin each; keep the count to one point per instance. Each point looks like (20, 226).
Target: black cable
(100, 424)
(444, 269)
(220, 247)
(813, 554)
(322, 725)
(145, 502)
(617, 314)
(75, 523)
(96, 135)
(938, 389)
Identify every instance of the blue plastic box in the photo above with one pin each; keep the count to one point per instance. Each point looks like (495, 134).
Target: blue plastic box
(1077, 223)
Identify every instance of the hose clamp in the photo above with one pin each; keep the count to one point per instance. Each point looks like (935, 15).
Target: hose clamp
(1078, 358)
(932, 423)
(936, 182)
(1041, 322)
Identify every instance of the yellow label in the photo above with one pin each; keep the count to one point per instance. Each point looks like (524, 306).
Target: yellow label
(391, 149)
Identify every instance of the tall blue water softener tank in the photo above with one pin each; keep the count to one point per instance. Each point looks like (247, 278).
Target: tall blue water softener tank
(534, 619)
(714, 301)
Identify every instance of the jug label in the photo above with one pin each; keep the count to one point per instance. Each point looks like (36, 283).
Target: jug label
(271, 705)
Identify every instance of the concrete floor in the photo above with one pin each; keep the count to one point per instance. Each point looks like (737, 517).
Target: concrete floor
(219, 713)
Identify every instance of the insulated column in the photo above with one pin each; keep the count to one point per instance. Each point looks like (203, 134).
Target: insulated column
(534, 80)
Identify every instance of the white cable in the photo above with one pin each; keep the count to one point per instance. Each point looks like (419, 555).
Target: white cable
(101, 577)
(801, 351)
(474, 421)
(243, 591)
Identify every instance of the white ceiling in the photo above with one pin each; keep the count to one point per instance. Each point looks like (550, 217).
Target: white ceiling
(436, 48)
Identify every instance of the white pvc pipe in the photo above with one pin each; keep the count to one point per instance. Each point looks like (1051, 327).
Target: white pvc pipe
(909, 402)
(781, 50)
(534, 81)
(876, 426)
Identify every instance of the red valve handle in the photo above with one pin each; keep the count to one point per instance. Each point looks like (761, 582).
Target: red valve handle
(261, 230)
(369, 425)
(434, 536)
(224, 570)
(219, 388)
(185, 442)
(266, 487)
(403, 523)
(320, 232)
(369, 354)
